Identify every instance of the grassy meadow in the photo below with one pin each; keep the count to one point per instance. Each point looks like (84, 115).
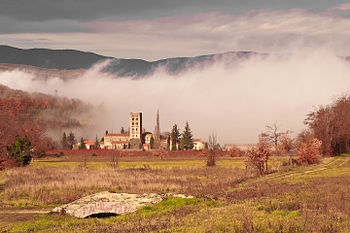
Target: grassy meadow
(229, 197)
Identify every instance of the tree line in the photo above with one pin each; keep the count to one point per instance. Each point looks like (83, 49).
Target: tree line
(181, 141)
(331, 125)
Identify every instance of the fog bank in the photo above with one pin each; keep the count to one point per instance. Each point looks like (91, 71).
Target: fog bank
(236, 101)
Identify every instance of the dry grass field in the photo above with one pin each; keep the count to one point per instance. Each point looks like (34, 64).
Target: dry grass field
(229, 196)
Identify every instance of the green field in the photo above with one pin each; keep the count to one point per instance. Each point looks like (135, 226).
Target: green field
(224, 162)
(229, 197)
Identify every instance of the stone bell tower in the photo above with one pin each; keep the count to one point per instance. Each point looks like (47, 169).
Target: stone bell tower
(135, 130)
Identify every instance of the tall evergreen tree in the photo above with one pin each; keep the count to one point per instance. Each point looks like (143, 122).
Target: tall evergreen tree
(151, 143)
(182, 145)
(187, 138)
(82, 144)
(64, 142)
(175, 134)
(122, 130)
(71, 140)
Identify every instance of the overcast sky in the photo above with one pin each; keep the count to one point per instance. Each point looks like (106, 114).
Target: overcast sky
(153, 29)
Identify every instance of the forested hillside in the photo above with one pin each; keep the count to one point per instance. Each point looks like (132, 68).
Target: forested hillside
(32, 115)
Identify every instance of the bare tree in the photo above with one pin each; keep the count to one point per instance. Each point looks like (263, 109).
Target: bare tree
(287, 144)
(213, 142)
(212, 150)
(273, 135)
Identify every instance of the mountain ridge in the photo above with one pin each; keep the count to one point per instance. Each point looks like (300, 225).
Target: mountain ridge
(69, 59)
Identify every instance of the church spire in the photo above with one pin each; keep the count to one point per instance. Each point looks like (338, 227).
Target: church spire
(157, 133)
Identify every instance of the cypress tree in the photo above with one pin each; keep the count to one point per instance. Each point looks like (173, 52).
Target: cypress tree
(174, 137)
(82, 144)
(64, 142)
(151, 143)
(71, 139)
(187, 138)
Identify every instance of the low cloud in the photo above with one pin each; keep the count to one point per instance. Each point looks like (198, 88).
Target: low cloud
(191, 35)
(342, 7)
(235, 100)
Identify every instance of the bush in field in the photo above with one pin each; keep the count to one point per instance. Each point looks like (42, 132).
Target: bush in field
(235, 152)
(258, 156)
(115, 157)
(309, 151)
(20, 152)
(212, 150)
(211, 158)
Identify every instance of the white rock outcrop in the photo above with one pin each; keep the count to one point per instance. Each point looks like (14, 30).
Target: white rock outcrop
(111, 203)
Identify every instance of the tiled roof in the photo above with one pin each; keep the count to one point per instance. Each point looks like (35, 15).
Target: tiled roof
(118, 135)
(120, 142)
(198, 140)
(90, 143)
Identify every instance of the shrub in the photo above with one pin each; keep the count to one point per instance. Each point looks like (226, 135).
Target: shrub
(211, 158)
(309, 151)
(235, 152)
(20, 151)
(257, 156)
(211, 152)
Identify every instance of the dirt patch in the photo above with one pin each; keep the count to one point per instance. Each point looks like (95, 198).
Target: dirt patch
(20, 215)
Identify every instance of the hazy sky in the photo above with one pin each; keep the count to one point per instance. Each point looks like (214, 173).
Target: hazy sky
(153, 29)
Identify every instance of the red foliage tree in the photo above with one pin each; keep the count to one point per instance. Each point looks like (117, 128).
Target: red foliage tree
(31, 115)
(309, 151)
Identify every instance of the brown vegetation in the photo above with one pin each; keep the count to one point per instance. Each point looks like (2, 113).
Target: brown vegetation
(32, 115)
(236, 152)
(287, 145)
(64, 184)
(331, 125)
(258, 156)
(309, 151)
(104, 155)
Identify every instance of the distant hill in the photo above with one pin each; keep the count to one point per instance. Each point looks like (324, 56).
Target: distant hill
(43, 73)
(47, 58)
(74, 59)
